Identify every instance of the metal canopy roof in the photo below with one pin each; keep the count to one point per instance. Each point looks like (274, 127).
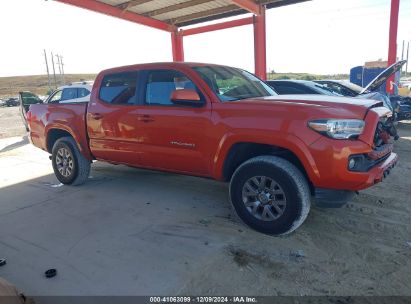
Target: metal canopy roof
(186, 12)
(170, 15)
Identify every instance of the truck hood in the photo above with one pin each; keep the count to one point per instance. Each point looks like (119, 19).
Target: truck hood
(377, 82)
(336, 106)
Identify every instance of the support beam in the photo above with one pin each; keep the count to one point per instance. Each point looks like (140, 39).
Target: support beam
(175, 7)
(218, 26)
(260, 45)
(106, 9)
(248, 5)
(392, 48)
(204, 14)
(130, 4)
(177, 46)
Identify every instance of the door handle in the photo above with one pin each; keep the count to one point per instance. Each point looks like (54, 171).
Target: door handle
(97, 116)
(145, 118)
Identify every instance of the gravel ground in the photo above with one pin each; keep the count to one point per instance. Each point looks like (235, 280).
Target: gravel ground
(10, 122)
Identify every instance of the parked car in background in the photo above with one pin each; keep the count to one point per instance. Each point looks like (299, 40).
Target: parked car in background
(77, 92)
(399, 104)
(2, 103)
(327, 87)
(12, 102)
(26, 100)
(224, 123)
(74, 92)
(342, 87)
(291, 87)
(352, 90)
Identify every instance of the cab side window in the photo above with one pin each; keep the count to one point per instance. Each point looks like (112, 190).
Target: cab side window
(119, 88)
(161, 84)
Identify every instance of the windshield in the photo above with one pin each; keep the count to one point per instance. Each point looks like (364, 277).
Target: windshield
(322, 89)
(233, 84)
(351, 86)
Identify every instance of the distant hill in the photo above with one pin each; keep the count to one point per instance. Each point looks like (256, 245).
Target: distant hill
(305, 76)
(11, 86)
(38, 84)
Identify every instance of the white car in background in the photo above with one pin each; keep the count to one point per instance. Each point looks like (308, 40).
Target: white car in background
(74, 92)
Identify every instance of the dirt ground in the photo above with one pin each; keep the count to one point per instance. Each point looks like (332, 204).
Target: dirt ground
(10, 122)
(134, 232)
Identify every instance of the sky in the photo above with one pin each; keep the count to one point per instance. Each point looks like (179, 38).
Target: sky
(319, 36)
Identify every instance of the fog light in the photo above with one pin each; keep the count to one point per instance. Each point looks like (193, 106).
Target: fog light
(351, 163)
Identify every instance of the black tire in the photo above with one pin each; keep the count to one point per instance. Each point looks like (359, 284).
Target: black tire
(289, 182)
(80, 165)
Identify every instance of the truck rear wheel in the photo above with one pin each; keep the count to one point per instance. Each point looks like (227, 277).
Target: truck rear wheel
(69, 165)
(270, 195)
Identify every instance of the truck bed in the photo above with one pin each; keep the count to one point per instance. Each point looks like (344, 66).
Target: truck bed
(46, 120)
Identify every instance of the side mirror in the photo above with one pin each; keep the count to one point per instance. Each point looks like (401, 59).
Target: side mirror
(186, 97)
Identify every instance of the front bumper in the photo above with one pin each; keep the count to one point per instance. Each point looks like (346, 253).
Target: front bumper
(332, 198)
(378, 173)
(331, 159)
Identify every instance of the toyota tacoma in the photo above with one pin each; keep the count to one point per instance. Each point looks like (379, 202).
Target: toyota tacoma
(278, 153)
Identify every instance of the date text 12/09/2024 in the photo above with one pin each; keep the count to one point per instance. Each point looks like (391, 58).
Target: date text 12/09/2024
(238, 299)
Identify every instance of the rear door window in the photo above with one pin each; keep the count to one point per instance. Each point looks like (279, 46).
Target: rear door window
(119, 88)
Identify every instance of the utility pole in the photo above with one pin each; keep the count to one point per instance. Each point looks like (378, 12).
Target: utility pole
(406, 67)
(402, 58)
(54, 71)
(62, 68)
(47, 67)
(402, 53)
(59, 65)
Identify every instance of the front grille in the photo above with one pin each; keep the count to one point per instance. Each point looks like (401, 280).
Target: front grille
(379, 135)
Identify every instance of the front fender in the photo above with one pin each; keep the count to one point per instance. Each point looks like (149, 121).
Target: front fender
(285, 141)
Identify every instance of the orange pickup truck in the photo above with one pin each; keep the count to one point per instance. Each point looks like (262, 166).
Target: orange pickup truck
(279, 153)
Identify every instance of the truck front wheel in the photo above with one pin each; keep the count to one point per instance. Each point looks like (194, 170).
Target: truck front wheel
(270, 195)
(69, 165)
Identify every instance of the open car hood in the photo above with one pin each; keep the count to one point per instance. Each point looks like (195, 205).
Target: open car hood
(384, 75)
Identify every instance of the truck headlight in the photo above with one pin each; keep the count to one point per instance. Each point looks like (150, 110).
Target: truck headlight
(338, 128)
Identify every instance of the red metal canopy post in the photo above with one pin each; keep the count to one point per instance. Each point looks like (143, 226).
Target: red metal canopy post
(260, 45)
(177, 45)
(392, 48)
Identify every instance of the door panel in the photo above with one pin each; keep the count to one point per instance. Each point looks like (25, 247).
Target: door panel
(177, 139)
(175, 136)
(112, 120)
